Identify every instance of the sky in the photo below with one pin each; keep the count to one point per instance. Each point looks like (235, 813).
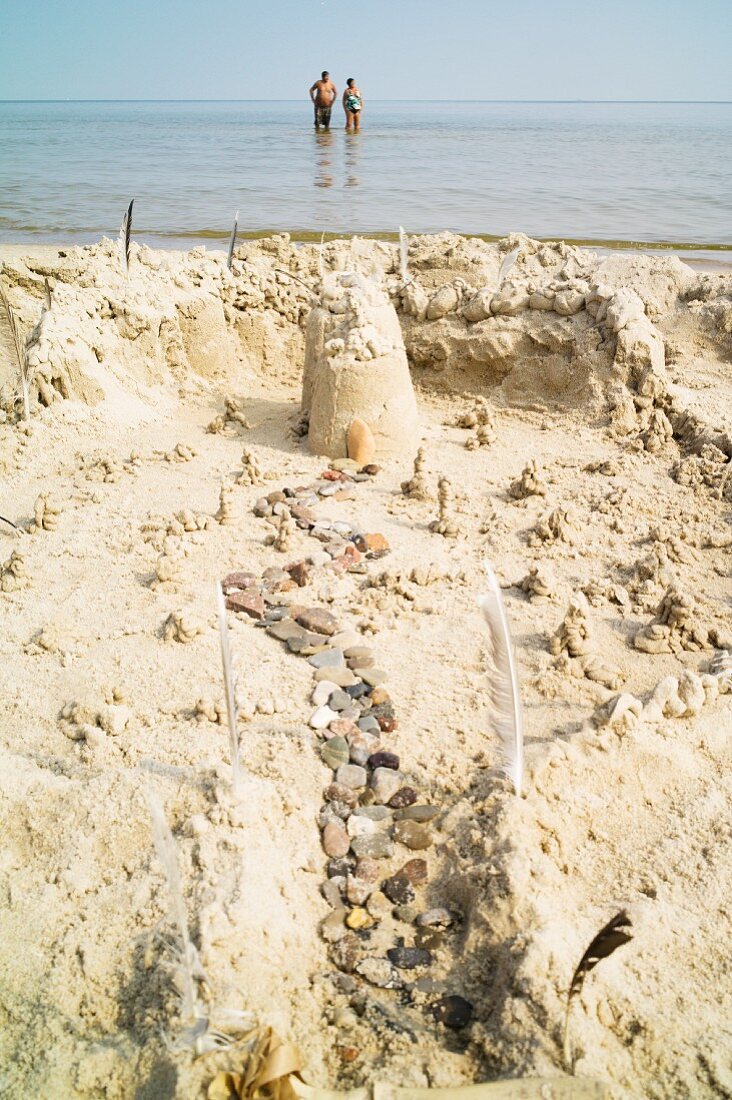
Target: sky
(396, 49)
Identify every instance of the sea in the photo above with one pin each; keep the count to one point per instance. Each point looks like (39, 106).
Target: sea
(612, 174)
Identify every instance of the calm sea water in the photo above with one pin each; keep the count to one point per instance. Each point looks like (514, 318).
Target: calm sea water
(605, 172)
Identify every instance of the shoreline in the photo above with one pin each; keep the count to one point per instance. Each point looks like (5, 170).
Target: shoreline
(709, 258)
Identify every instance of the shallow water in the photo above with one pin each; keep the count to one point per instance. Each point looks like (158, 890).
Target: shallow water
(601, 172)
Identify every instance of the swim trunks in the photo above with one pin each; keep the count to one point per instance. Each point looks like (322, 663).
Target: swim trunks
(322, 116)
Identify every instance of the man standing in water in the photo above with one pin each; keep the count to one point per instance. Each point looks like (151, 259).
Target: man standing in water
(323, 95)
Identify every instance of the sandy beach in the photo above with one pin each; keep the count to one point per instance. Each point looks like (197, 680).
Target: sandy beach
(574, 417)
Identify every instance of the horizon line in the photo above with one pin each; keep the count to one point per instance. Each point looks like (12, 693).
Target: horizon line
(155, 99)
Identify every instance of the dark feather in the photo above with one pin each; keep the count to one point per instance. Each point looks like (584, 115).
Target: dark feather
(232, 242)
(612, 936)
(607, 940)
(9, 523)
(47, 291)
(126, 233)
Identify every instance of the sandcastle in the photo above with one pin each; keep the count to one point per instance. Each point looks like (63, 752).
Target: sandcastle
(356, 369)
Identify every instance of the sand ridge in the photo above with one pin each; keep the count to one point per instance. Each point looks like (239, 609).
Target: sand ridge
(598, 488)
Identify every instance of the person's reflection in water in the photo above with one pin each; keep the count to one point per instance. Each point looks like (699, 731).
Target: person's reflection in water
(323, 158)
(353, 140)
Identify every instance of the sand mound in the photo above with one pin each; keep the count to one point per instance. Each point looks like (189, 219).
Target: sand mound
(574, 430)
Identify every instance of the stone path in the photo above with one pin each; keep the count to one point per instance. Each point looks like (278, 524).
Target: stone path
(373, 823)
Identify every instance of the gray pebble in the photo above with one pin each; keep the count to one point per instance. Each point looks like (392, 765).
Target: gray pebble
(378, 972)
(368, 724)
(417, 813)
(340, 700)
(351, 775)
(378, 846)
(385, 782)
(434, 916)
(332, 894)
(327, 658)
(376, 813)
(335, 752)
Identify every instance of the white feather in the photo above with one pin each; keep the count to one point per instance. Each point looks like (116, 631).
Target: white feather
(231, 709)
(507, 264)
(504, 690)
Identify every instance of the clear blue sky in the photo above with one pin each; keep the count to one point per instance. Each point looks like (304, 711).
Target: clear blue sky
(397, 49)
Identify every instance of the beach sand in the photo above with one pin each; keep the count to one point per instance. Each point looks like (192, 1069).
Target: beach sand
(600, 491)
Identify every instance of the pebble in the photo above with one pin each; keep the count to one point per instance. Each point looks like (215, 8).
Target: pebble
(335, 752)
(360, 662)
(380, 695)
(351, 775)
(261, 507)
(372, 676)
(405, 913)
(319, 558)
(346, 953)
(340, 809)
(384, 760)
(285, 629)
(428, 938)
(378, 846)
(355, 651)
(340, 867)
(318, 620)
(407, 958)
(346, 465)
(368, 724)
(360, 920)
(416, 871)
(358, 891)
(370, 870)
(332, 894)
(453, 1011)
(434, 916)
(346, 639)
(398, 889)
(322, 717)
(336, 793)
(332, 928)
(375, 813)
(322, 692)
(363, 746)
(385, 782)
(378, 972)
(412, 834)
(336, 841)
(386, 724)
(300, 573)
(417, 813)
(379, 905)
(326, 658)
(340, 700)
(406, 796)
(361, 826)
(306, 643)
(366, 798)
(249, 603)
(305, 516)
(375, 545)
(341, 677)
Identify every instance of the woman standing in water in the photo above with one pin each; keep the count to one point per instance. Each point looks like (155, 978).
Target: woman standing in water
(352, 105)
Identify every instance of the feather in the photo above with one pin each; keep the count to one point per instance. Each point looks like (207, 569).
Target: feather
(9, 523)
(612, 936)
(47, 295)
(231, 708)
(20, 351)
(232, 242)
(505, 694)
(125, 234)
(506, 266)
(403, 255)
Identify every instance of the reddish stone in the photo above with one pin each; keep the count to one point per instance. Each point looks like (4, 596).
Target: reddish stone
(406, 796)
(376, 545)
(416, 871)
(351, 553)
(318, 620)
(237, 580)
(343, 727)
(300, 572)
(249, 602)
(386, 725)
(330, 475)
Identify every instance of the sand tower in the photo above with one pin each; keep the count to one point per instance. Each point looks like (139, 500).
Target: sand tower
(356, 369)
